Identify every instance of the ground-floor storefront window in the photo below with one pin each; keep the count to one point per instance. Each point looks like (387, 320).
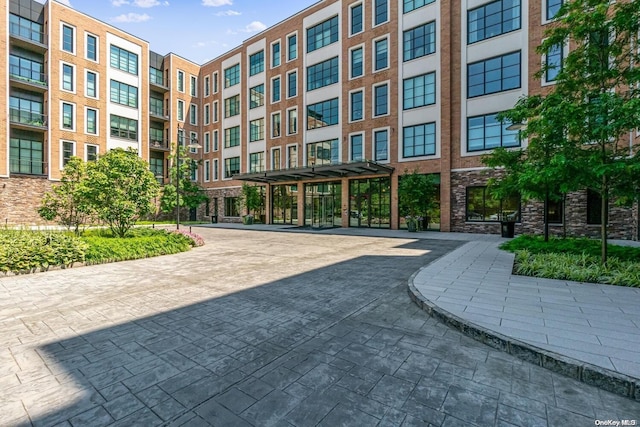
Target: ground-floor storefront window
(370, 203)
(482, 206)
(284, 204)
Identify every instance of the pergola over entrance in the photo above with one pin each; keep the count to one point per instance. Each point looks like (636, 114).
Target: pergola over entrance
(333, 171)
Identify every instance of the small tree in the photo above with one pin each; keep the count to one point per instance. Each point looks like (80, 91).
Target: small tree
(67, 202)
(191, 194)
(251, 198)
(416, 194)
(121, 188)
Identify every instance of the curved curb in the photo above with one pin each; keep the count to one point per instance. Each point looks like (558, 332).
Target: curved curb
(597, 376)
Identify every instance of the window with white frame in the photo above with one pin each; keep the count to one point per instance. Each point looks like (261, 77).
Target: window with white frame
(216, 143)
(207, 170)
(356, 147)
(207, 86)
(68, 116)
(216, 169)
(68, 38)
(193, 114)
(419, 140)
(552, 8)
(553, 61)
(292, 84)
(68, 151)
(493, 19)
(68, 77)
(91, 152)
(292, 121)
(91, 51)
(292, 156)
(207, 142)
(381, 54)
(275, 54)
(215, 112)
(419, 91)
(256, 130)
(356, 105)
(419, 41)
(356, 62)
(275, 159)
(181, 110)
(215, 82)
(492, 75)
(256, 162)
(275, 89)
(91, 121)
(207, 114)
(194, 86)
(275, 125)
(256, 97)
(292, 47)
(381, 100)
(380, 12)
(356, 17)
(91, 84)
(180, 81)
(381, 145)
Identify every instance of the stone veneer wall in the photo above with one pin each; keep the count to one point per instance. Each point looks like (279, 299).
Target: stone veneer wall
(623, 222)
(20, 198)
(220, 194)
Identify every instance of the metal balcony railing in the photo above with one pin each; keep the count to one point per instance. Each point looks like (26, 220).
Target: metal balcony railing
(26, 33)
(27, 117)
(159, 144)
(28, 75)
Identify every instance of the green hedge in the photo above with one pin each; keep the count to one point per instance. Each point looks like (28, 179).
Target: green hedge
(576, 246)
(25, 251)
(139, 243)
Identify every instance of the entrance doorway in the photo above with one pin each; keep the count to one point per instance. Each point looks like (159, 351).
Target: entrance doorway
(323, 202)
(370, 203)
(284, 204)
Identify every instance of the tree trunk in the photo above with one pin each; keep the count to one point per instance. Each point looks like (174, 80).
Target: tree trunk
(604, 214)
(546, 215)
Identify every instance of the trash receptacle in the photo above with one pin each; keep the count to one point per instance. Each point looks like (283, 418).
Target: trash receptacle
(508, 228)
(214, 219)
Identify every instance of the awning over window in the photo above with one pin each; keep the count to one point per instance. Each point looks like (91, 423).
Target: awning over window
(334, 171)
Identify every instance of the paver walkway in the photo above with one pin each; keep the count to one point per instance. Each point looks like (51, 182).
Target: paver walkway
(264, 328)
(592, 324)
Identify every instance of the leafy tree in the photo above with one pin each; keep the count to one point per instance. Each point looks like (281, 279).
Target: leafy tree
(594, 102)
(251, 198)
(191, 194)
(121, 188)
(416, 194)
(67, 201)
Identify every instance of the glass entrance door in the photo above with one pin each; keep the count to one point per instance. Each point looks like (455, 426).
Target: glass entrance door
(370, 203)
(322, 205)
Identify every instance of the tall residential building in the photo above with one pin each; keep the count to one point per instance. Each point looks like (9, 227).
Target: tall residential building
(325, 111)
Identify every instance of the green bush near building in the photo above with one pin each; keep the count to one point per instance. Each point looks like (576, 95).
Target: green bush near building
(576, 260)
(27, 251)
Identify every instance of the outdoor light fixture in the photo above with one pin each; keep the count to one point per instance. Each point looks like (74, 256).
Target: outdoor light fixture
(193, 144)
(516, 126)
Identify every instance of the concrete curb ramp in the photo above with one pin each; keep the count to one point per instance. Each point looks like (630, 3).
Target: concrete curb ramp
(472, 290)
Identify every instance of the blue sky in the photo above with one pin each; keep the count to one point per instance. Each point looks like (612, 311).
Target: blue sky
(198, 30)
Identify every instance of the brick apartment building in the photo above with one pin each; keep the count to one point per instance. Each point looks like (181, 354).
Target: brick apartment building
(325, 110)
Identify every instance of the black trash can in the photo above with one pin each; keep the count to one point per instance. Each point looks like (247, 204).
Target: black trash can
(508, 228)
(214, 219)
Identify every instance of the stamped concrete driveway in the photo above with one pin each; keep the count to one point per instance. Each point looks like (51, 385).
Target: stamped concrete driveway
(264, 328)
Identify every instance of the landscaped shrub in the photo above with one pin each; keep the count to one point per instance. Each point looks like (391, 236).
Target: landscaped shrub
(139, 243)
(577, 267)
(25, 251)
(194, 239)
(536, 244)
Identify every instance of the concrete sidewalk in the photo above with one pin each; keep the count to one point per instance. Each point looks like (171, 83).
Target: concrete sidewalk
(587, 331)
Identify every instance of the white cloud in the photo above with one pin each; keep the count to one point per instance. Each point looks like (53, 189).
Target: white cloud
(118, 3)
(132, 17)
(229, 13)
(254, 27)
(216, 3)
(146, 3)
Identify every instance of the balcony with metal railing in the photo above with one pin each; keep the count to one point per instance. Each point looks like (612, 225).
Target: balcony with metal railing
(28, 167)
(158, 113)
(27, 34)
(27, 78)
(159, 144)
(27, 119)
(158, 82)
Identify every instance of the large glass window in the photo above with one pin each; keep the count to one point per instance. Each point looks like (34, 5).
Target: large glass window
(232, 137)
(92, 154)
(292, 121)
(67, 77)
(292, 156)
(419, 140)
(27, 111)
(124, 60)
(323, 153)
(410, 5)
(419, 41)
(275, 89)
(322, 34)
(68, 42)
(381, 100)
(275, 125)
(180, 81)
(381, 54)
(123, 127)
(356, 105)
(207, 114)
(231, 167)
(493, 19)
(381, 145)
(193, 87)
(122, 93)
(419, 91)
(92, 121)
(25, 28)
(357, 68)
(323, 74)
(232, 106)
(232, 76)
(481, 206)
(256, 130)
(26, 154)
(26, 69)
(256, 63)
(275, 54)
(292, 47)
(594, 207)
(554, 61)
(292, 86)
(356, 147)
(156, 76)
(92, 47)
(256, 98)
(553, 6)
(256, 162)
(357, 19)
(92, 85)
(493, 75)
(381, 11)
(193, 114)
(486, 132)
(322, 114)
(180, 112)
(68, 151)
(231, 203)
(68, 116)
